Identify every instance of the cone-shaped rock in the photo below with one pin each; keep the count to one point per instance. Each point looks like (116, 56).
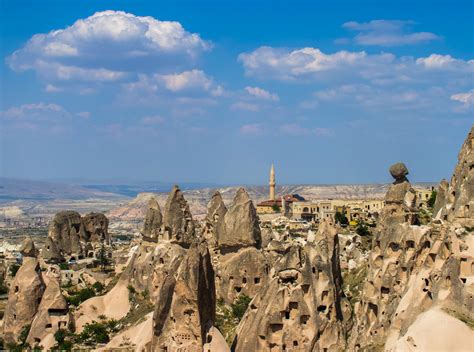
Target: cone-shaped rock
(178, 221)
(50, 252)
(185, 308)
(153, 220)
(214, 221)
(24, 296)
(52, 315)
(240, 227)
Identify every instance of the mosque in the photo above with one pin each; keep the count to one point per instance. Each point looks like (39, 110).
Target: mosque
(281, 205)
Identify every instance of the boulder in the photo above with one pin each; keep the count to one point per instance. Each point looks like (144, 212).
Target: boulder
(399, 171)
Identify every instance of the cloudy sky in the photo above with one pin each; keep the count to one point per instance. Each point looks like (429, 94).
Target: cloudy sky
(214, 91)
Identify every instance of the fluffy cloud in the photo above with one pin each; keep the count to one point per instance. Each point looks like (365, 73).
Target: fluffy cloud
(388, 33)
(106, 47)
(313, 64)
(36, 116)
(466, 98)
(194, 81)
(152, 120)
(261, 93)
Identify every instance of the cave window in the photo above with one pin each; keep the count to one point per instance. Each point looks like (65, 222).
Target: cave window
(256, 280)
(321, 308)
(237, 289)
(162, 261)
(48, 326)
(295, 343)
(17, 289)
(287, 315)
(244, 280)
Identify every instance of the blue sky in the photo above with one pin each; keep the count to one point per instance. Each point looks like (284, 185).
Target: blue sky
(214, 91)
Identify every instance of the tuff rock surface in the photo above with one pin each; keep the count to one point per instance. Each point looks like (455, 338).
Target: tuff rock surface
(25, 294)
(185, 308)
(302, 308)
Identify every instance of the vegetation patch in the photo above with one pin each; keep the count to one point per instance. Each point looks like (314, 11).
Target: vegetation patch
(228, 317)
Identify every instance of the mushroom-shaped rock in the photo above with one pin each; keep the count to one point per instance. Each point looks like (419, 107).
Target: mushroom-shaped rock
(153, 220)
(399, 171)
(178, 221)
(240, 227)
(185, 308)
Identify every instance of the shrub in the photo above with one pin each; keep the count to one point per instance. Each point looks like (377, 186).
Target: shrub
(362, 229)
(240, 306)
(432, 200)
(98, 287)
(14, 269)
(80, 296)
(94, 333)
(64, 266)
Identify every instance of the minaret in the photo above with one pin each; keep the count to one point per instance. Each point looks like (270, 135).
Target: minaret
(272, 183)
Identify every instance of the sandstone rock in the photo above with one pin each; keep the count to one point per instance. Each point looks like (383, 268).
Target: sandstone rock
(399, 172)
(213, 223)
(178, 221)
(240, 227)
(242, 273)
(95, 228)
(441, 197)
(52, 315)
(24, 296)
(153, 220)
(28, 248)
(65, 230)
(50, 252)
(215, 342)
(185, 308)
(300, 308)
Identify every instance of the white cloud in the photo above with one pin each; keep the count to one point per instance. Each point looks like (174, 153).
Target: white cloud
(183, 82)
(388, 33)
(241, 105)
(255, 129)
(466, 98)
(106, 46)
(312, 65)
(50, 88)
(285, 64)
(262, 93)
(35, 116)
(152, 120)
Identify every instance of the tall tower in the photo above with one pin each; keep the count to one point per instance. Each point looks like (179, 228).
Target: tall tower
(272, 183)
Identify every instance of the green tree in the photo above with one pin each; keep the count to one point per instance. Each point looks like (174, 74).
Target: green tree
(432, 200)
(362, 229)
(240, 306)
(276, 208)
(341, 218)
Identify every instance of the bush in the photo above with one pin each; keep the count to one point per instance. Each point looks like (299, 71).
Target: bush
(341, 218)
(63, 342)
(80, 296)
(98, 287)
(432, 200)
(64, 266)
(362, 229)
(240, 306)
(94, 333)
(14, 269)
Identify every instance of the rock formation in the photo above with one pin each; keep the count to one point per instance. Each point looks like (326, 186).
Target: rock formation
(213, 223)
(153, 221)
(25, 294)
(51, 252)
(96, 227)
(240, 226)
(241, 266)
(185, 308)
(178, 221)
(302, 308)
(420, 275)
(52, 315)
(66, 230)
